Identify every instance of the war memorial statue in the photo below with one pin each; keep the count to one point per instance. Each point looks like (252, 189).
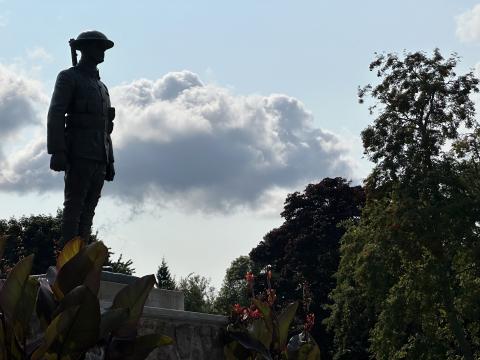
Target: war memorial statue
(79, 124)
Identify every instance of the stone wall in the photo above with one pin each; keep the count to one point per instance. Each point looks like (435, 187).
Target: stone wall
(197, 336)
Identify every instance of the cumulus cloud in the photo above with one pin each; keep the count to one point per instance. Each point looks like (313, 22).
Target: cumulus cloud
(468, 25)
(20, 99)
(199, 146)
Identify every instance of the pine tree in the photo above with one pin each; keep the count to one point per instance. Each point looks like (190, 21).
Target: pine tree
(164, 278)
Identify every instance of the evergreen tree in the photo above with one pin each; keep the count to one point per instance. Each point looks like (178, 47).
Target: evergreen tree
(164, 278)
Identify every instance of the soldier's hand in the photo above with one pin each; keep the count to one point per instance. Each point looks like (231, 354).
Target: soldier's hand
(58, 161)
(110, 174)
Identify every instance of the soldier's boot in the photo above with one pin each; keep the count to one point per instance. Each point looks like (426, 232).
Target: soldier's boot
(91, 201)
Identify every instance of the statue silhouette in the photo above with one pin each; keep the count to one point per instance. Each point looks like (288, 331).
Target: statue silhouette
(80, 121)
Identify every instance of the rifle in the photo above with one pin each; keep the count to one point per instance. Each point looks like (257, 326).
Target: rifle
(73, 52)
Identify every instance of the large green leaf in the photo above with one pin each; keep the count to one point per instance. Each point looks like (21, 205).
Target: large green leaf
(259, 330)
(14, 287)
(235, 351)
(284, 320)
(57, 327)
(267, 313)
(137, 348)
(249, 342)
(133, 297)
(24, 309)
(76, 328)
(83, 268)
(46, 304)
(112, 319)
(70, 249)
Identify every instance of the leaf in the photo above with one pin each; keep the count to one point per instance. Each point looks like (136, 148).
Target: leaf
(70, 249)
(284, 321)
(46, 304)
(58, 326)
(111, 320)
(249, 342)
(138, 348)
(25, 308)
(133, 297)
(234, 351)
(258, 330)
(76, 328)
(13, 287)
(83, 268)
(266, 312)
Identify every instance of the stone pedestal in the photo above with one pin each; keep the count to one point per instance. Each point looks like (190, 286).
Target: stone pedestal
(111, 283)
(197, 336)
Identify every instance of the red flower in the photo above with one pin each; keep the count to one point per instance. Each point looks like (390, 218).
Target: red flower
(309, 322)
(237, 309)
(271, 296)
(255, 314)
(249, 277)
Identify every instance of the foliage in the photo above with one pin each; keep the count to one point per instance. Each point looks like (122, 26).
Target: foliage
(68, 310)
(40, 235)
(407, 284)
(199, 294)
(261, 332)
(305, 248)
(234, 289)
(35, 234)
(119, 266)
(164, 278)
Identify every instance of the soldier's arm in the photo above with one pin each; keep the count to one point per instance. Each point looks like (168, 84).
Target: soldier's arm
(61, 98)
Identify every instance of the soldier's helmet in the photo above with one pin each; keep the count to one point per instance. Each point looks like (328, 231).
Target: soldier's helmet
(89, 36)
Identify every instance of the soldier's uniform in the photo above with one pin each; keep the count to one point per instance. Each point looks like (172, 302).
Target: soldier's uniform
(80, 121)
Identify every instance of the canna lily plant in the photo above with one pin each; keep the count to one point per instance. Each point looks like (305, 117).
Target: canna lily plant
(259, 332)
(68, 310)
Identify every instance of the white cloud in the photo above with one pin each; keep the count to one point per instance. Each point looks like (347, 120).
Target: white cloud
(468, 25)
(21, 99)
(39, 54)
(199, 146)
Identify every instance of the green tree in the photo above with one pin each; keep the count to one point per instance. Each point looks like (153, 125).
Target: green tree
(234, 288)
(120, 266)
(305, 248)
(164, 278)
(199, 294)
(39, 235)
(405, 284)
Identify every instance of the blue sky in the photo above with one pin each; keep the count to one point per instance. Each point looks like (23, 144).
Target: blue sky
(215, 181)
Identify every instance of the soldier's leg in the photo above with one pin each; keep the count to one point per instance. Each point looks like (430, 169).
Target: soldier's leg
(77, 184)
(91, 200)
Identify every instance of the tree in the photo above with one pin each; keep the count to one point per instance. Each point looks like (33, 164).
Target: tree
(234, 289)
(119, 266)
(305, 248)
(164, 278)
(40, 234)
(199, 294)
(405, 283)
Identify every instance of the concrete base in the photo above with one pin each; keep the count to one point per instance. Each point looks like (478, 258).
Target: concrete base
(158, 298)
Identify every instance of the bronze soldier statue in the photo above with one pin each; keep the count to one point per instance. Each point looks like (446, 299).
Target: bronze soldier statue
(80, 121)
